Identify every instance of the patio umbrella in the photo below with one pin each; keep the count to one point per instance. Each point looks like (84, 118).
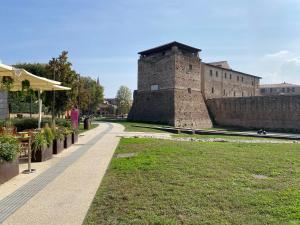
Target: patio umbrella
(37, 83)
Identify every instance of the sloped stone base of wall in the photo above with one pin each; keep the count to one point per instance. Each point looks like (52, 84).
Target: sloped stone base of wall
(154, 107)
(190, 110)
(268, 112)
(173, 107)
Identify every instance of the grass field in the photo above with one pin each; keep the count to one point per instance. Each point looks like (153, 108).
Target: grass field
(169, 182)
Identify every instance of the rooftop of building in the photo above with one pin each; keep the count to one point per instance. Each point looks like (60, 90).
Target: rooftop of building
(230, 70)
(281, 85)
(169, 46)
(223, 64)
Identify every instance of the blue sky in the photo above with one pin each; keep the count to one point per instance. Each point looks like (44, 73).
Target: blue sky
(259, 37)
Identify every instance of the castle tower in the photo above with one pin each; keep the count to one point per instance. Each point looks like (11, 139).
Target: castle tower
(169, 87)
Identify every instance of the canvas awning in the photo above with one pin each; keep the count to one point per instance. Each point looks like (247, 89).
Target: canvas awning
(37, 83)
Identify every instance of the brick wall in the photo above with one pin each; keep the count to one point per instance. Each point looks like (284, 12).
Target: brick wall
(269, 112)
(190, 109)
(157, 69)
(153, 106)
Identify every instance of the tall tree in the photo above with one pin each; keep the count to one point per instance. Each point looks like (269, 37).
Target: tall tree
(124, 100)
(91, 95)
(61, 68)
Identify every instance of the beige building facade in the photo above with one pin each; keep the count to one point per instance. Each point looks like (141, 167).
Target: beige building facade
(279, 89)
(220, 81)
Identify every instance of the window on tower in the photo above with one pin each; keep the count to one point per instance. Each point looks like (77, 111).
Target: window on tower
(154, 87)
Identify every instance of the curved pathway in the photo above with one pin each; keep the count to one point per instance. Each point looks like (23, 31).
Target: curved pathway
(63, 193)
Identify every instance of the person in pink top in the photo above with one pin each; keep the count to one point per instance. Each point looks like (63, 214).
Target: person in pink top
(74, 117)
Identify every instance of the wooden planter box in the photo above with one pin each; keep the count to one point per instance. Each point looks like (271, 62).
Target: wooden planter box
(68, 141)
(58, 146)
(74, 138)
(42, 155)
(8, 169)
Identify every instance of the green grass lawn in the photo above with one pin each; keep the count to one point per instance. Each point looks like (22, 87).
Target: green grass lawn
(170, 182)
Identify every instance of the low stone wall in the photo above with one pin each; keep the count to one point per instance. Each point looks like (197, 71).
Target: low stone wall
(268, 112)
(3, 105)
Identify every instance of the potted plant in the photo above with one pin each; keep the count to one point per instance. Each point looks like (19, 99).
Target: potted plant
(41, 150)
(9, 163)
(68, 137)
(58, 142)
(75, 135)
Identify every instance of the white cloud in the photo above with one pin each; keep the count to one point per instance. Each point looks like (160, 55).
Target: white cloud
(277, 55)
(279, 67)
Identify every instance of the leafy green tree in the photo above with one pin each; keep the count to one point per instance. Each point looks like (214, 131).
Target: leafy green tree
(60, 69)
(124, 100)
(84, 90)
(90, 95)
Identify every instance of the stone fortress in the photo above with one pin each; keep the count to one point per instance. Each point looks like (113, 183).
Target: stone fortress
(176, 88)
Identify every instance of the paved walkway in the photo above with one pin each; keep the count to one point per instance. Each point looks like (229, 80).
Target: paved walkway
(63, 192)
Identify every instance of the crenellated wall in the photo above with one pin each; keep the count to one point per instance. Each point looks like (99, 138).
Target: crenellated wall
(268, 112)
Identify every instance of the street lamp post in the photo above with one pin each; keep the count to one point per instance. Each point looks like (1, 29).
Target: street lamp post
(53, 94)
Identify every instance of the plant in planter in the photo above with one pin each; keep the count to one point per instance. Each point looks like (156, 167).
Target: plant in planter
(75, 135)
(48, 135)
(40, 149)
(68, 137)
(58, 142)
(9, 163)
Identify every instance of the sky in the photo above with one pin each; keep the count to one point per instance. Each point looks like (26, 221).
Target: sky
(259, 37)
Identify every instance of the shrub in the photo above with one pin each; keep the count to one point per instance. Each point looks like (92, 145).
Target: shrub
(63, 123)
(25, 123)
(9, 148)
(32, 123)
(39, 142)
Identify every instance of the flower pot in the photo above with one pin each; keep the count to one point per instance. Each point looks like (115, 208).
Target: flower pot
(8, 169)
(42, 155)
(58, 145)
(74, 138)
(68, 141)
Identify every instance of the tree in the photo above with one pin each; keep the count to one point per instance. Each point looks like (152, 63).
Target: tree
(91, 95)
(124, 100)
(61, 68)
(85, 91)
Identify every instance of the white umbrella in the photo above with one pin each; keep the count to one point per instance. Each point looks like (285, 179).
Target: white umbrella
(37, 83)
